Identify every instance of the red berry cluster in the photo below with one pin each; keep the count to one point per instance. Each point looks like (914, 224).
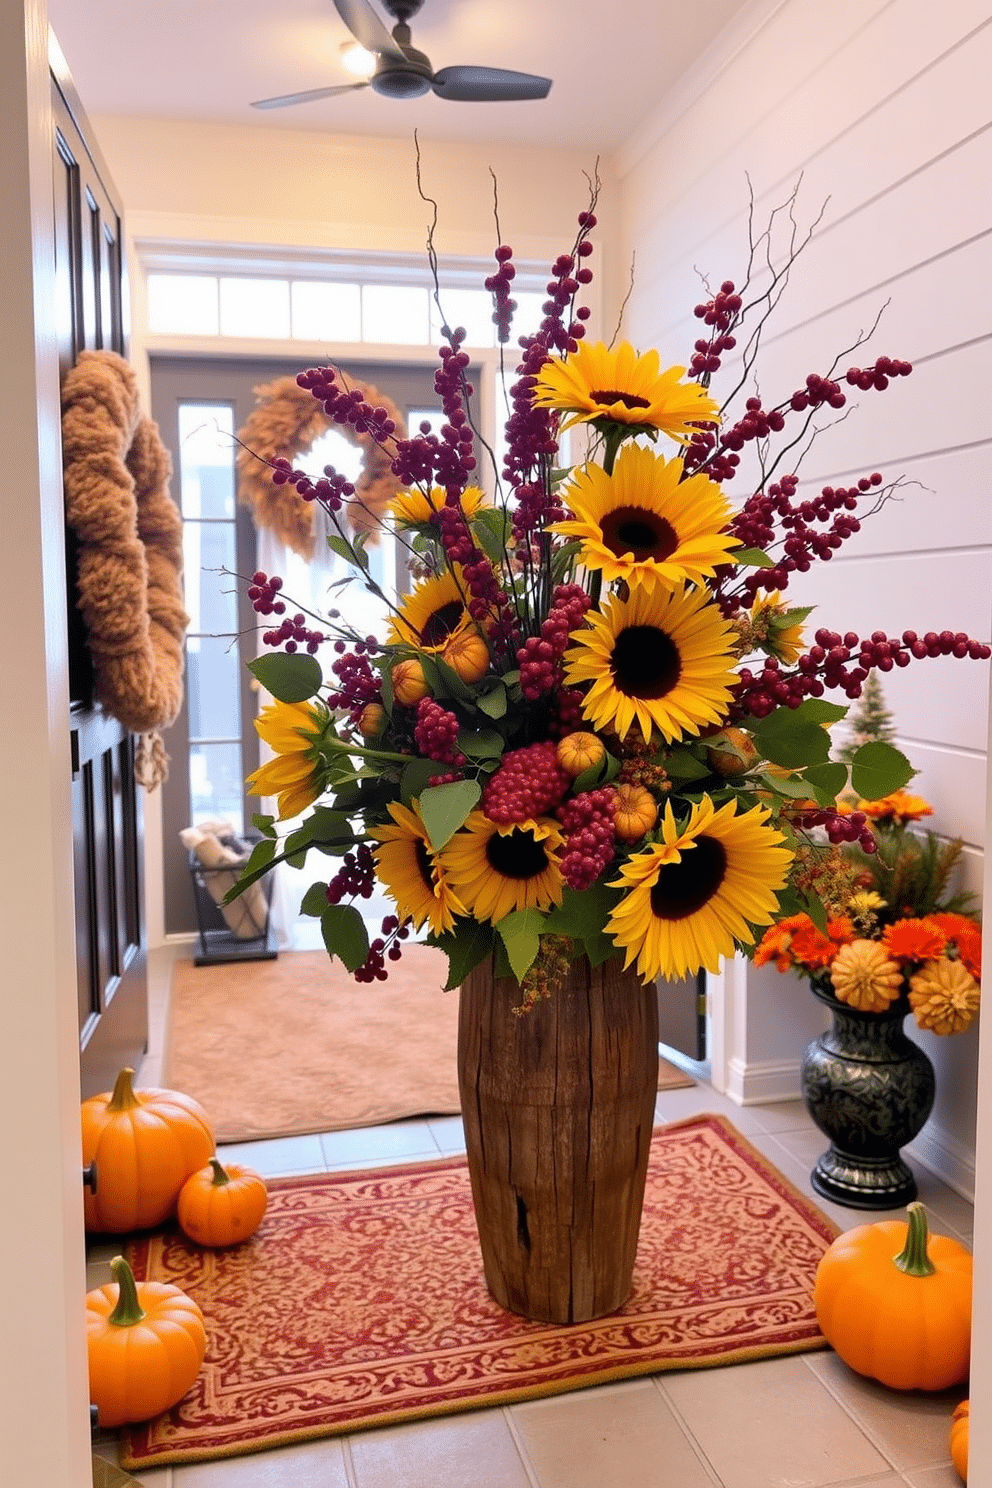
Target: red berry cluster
(817, 391)
(757, 423)
(445, 459)
(436, 733)
(346, 406)
(358, 683)
(528, 783)
(721, 313)
(539, 658)
(331, 490)
(589, 836)
(293, 633)
(263, 593)
(877, 375)
(498, 285)
(488, 602)
(373, 968)
(566, 714)
(355, 879)
(839, 826)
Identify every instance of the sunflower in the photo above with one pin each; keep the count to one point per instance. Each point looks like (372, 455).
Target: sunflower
(645, 524)
(594, 382)
(497, 867)
(430, 613)
(409, 868)
(414, 508)
(693, 896)
(782, 638)
(296, 776)
(660, 660)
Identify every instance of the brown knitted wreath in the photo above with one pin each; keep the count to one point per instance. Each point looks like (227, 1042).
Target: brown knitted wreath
(117, 502)
(287, 423)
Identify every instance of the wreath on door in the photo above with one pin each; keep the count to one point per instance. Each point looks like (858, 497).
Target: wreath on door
(116, 474)
(286, 424)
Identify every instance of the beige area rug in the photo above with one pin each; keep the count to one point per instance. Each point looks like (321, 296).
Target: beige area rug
(280, 1048)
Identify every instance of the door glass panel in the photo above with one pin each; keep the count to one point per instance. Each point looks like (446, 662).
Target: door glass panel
(215, 783)
(206, 464)
(213, 675)
(211, 598)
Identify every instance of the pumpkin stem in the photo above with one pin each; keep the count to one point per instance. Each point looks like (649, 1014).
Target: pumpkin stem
(220, 1176)
(128, 1310)
(913, 1259)
(123, 1098)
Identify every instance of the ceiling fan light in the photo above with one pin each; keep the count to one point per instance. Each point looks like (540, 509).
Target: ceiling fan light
(356, 60)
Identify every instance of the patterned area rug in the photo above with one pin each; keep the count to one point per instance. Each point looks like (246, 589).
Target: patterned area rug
(361, 1301)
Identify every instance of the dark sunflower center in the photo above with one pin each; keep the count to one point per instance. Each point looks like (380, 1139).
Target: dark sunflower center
(608, 396)
(684, 888)
(645, 663)
(631, 529)
(439, 626)
(516, 854)
(424, 864)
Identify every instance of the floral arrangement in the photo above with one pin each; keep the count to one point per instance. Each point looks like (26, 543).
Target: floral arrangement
(594, 727)
(891, 930)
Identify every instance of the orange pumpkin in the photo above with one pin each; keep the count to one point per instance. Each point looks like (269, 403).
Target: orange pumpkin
(145, 1343)
(895, 1303)
(467, 654)
(579, 751)
(222, 1206)
(145, 1144)
(960, 1422)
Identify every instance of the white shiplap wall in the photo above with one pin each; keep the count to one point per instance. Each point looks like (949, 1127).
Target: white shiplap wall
(882, 107)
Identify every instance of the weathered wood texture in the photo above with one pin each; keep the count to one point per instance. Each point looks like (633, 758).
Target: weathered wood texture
(558, 1106)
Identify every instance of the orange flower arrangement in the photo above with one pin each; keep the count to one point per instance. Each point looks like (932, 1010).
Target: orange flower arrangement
(890, 932)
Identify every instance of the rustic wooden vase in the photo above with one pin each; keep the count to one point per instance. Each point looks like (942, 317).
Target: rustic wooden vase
(558, 1106)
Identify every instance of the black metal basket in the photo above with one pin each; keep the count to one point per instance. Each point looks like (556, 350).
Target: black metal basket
(239, 931)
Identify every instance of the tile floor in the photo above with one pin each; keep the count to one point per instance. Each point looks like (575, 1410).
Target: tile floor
(797, 1422)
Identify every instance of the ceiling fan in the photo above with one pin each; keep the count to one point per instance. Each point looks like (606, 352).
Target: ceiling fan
(403, 72)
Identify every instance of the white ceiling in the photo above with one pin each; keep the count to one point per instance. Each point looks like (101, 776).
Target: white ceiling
(611, 63)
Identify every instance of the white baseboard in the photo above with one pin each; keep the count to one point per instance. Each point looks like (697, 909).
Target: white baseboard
(765, 1081)
(947, 1158)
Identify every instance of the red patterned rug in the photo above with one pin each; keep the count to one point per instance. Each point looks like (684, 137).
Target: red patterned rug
(361, 1300)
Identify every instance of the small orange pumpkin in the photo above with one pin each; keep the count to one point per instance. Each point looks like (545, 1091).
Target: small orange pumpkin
(635, 812)
(222, 1206)
(409, 682)
(145, 1343)
(578, 752)
(467, 654)
(895, 1303)
(145, 1144)
(960, 1422)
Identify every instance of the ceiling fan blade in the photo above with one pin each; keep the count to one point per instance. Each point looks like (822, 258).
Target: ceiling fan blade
(488, 84)
(285, 99)
(366, 27)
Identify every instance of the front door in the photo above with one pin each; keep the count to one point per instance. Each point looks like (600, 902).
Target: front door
(199, 405)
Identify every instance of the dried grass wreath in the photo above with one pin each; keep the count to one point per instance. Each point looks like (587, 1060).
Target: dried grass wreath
(117, 502)
(286, 424)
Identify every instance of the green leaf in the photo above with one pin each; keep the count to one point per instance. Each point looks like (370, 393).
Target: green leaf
(345, 935)
(582, 912)
(466, 947)
(818, 710)
(262, 856)
(877, 769)
(607, 769)
(752, 557)
(443, 680)
(793, 737)
(520, 932)
(827, 781)
(816, 910)
(791, 787)
(415, 777)
(444, 808)
(314, 901)
(290, 678)
(493, 703)
(295, 847)
(489, 527)
(345, 550)
(598, 948)
(681, 764)
(480, 744)
(263, 824)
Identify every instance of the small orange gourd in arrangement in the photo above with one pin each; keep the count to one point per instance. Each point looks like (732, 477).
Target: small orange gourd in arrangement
(222, 1206)
(145, 1343)
(895, 1303)
(145, 1144)
(960, 1423)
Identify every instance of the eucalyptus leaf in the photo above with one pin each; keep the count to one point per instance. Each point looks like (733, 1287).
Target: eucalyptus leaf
(344, 933)
(291, 678)
(445, 808)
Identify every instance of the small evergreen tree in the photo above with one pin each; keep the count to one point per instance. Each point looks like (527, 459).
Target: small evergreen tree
(870, 721)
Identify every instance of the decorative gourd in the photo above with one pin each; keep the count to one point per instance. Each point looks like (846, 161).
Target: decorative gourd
(467, 654)
(409, 682)
(579, 751)
(960, 1422)
(145, 1144)
(222, 1206)
(145, 1344)
(895, 1303)
(635, 812)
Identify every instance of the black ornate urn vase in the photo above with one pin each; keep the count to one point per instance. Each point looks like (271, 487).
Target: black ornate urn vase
(870, 1090)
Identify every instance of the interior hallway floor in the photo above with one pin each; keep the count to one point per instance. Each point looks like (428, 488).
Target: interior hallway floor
(797, 1422)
